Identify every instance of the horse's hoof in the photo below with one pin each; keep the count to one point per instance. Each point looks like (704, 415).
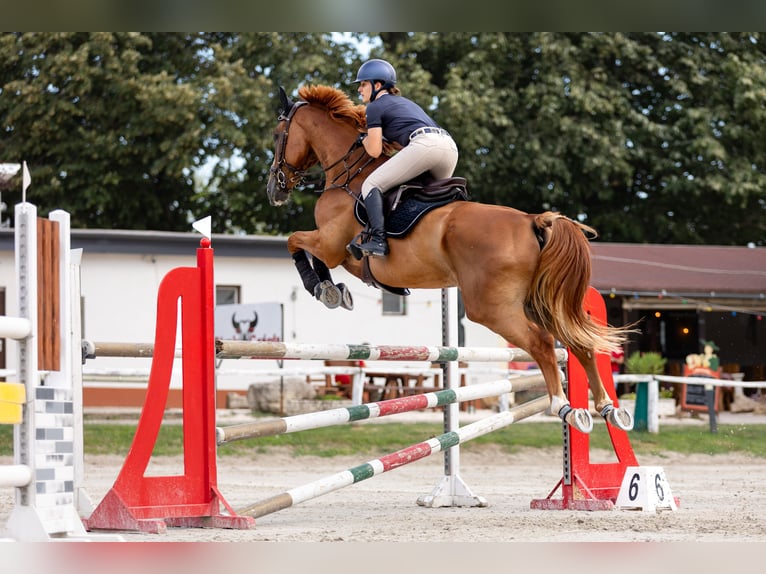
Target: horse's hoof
(328, 294)
(580, 419)
(618, 417)
(346, 300)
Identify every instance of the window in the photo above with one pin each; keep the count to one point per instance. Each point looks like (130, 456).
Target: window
(394, 304)
(227, 294)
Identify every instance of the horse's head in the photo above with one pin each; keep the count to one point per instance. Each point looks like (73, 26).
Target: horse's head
(291, 159)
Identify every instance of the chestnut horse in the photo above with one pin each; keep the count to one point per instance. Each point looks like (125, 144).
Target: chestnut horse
(524, 276)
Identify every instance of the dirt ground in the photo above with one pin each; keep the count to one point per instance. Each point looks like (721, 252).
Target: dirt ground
(722, 499)
(376, 525)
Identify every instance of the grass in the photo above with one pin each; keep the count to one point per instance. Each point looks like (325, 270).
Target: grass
(373, 440)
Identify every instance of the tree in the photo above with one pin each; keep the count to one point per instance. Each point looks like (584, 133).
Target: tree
(116, 126)
(648, 137)
(655, 137)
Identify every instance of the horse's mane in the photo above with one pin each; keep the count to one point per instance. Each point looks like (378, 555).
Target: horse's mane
(337, 103)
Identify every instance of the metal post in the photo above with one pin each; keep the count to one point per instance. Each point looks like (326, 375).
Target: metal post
(451, 490)
(710, 400)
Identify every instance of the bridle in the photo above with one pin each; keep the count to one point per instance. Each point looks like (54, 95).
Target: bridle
(280, 162)
(350, 170)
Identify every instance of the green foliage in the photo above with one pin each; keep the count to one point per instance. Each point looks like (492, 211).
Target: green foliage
(116, 126)
(663, 394)
(645, 364)
(331, 398)
(648, 137)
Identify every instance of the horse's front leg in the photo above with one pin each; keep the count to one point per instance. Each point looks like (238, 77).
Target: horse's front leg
(331, 294)
(316, 277)
(616, 416)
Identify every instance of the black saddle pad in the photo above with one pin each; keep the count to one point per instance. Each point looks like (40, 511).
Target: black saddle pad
(402, 220)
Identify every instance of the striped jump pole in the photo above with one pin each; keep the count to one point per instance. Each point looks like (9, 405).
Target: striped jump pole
(225, 349)
(93, 350)
(451, 491)
(395, 460)
(343, 415)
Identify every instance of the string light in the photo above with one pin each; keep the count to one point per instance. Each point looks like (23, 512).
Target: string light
(705, 306)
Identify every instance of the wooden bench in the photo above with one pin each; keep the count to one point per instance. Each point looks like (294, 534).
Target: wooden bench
(338, 384)
(407, 384)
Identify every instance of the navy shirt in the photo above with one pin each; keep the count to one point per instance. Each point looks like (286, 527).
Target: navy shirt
(398, 117)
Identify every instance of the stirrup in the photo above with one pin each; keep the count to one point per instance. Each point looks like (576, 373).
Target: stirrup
(373, 248)
(353, 249)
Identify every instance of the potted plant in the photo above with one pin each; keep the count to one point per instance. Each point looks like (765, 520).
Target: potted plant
(645, 364)
(649, 363)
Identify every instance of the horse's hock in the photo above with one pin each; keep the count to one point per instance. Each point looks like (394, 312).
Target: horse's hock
(294, 394)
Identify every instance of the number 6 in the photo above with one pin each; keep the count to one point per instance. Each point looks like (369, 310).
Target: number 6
(658, 487)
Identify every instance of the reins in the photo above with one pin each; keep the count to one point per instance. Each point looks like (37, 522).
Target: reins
(348, 169)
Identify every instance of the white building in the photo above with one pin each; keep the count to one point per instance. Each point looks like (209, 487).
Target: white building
(121, 272)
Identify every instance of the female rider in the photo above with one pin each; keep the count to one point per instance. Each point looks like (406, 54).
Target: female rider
(425, 147)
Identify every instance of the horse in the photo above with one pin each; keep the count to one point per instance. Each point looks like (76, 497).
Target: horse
(523, 276)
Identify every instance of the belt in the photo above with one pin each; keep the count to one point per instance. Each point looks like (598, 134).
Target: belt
(428, 130)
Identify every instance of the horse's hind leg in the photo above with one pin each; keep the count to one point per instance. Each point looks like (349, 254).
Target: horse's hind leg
(543, 351)
(519, 331)
(616, 416)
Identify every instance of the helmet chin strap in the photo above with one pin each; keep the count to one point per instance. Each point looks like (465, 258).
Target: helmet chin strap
(374, 93)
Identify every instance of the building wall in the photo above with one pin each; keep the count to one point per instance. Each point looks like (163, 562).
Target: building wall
(119, 300)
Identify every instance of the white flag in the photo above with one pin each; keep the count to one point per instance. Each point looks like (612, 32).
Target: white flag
(25, 178)
(204, 226)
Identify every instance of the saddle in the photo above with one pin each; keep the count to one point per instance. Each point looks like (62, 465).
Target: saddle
(403, 208)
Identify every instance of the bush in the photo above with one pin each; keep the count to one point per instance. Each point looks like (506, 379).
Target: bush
(645, 364)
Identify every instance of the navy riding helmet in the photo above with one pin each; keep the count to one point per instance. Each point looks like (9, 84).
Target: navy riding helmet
(377, 70)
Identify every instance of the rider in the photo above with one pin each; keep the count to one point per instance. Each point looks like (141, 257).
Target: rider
(425, 146)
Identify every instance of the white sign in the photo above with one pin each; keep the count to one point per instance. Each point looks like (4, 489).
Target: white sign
(249, 322)
(645, 488)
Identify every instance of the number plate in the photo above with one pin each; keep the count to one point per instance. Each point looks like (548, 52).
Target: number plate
(645, 488)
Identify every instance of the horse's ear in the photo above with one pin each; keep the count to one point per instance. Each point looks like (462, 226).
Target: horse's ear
(285, 103)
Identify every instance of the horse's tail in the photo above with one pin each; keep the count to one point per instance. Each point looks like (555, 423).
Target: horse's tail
(560, 283)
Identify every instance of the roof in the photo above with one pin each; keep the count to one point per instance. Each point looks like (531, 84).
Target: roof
(633, 269)
(167, 243)
(692, 270)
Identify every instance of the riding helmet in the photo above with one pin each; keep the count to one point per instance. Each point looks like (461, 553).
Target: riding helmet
(379, 70)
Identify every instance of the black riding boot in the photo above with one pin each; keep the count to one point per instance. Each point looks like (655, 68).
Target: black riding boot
(376, 245)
